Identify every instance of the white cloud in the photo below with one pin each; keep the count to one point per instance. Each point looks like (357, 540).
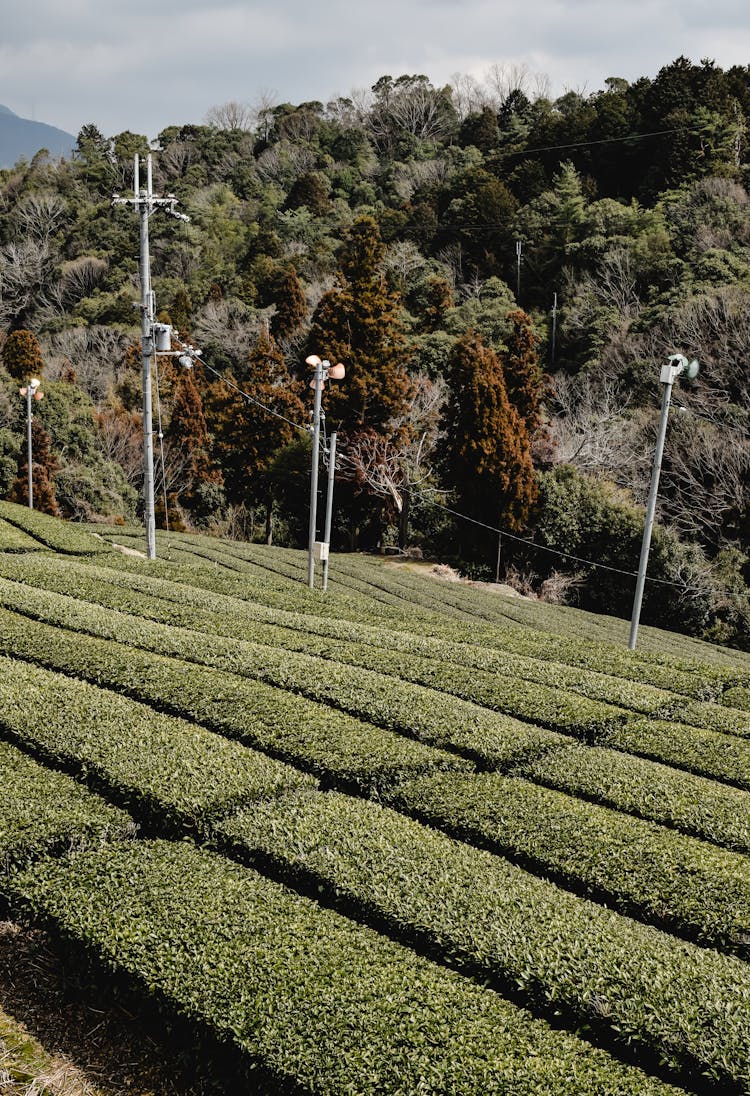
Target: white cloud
(145, 64)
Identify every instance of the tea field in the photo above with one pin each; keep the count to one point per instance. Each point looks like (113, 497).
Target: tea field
(405, 837)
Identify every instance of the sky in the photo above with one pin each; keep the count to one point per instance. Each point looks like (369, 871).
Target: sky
(147, 64)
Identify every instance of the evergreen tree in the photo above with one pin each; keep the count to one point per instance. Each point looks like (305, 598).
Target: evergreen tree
(245, 435)
(22, 355)
(486, 452)
(524, 380)
(43, 468)
(188, 431)
(291, 303)
(359, 324)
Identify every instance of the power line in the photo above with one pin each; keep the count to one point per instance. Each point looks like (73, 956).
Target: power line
(600, 141)
(553, 551)
(252, 399)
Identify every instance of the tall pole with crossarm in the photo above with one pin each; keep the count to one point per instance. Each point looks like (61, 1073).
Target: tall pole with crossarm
(146, 202)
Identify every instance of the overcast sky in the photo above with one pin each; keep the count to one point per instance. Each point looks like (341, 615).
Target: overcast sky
(147, 64)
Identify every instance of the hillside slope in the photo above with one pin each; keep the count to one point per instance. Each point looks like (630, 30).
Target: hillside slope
(400, 837)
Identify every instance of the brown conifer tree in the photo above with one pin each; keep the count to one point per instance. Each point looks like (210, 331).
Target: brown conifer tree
(43, 468)
(524, 379)
(22, 355)
(188, 431)
(291, 304)
(245, 435)
(486, 448)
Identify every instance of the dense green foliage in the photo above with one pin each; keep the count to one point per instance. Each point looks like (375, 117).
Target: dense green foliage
(577, 241)
(547, 833)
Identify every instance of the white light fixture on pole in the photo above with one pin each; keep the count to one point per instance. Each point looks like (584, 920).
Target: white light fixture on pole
(676, 366)
(145, 202)
(30, 391)
(323, 372)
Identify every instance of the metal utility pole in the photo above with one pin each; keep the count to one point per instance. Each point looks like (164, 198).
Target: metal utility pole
(676, 365)
(323, 371)
(30, 391)
(329, 506)
(554, 327)
(519, 247)
(145, 202)
(318, 385)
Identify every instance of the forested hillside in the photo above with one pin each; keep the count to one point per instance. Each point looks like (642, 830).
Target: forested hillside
(503, 275)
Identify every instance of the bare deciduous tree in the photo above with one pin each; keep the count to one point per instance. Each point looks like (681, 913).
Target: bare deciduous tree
(232, 116)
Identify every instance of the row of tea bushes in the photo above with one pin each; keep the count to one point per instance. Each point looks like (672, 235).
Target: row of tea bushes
(163, 769)
(320, 1003)
(692, 804)
(310, 736)
(43, 811)
(409, 708)
(13, 539)
(387, 702)
(465, 670)
(687, 886)
(689, 1007)
(61, 536)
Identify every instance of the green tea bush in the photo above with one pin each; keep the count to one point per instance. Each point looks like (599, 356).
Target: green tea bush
(161, 768)
(685, 885)
(42, 811)
(324, 1004)
(687, 1005)
(61, 536)
(691, 804)
(13, 539)
(313, 737)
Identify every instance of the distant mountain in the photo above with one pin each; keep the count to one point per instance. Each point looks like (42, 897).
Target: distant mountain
(22, 137)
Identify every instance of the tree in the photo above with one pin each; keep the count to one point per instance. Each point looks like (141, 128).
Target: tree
(291, 303)
(248, 431)
(22, 355)
(524, 380)
(486, 452)
(188, 431)
(43, 468)
(359, 323)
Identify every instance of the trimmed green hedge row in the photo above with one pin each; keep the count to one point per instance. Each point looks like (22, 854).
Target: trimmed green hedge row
(706, 753)
(391, 704)
(13, 539)
(691, 804)
(62, 536)
(688, 1005)
(161, 768)
(296, 631)
(738, 697)
(311, 736)
(585, 635)
(324, 1004)
(473, 673)
(668, 879)
(43, 811)
(491, 737)
(686, 676)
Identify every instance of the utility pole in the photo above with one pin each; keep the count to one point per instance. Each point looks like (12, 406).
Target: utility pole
(554, 327)
(676, 365)
(145, 202)
(519, 247)
(329, 506)
(323, 370)
(30, 391)
(318, 385)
